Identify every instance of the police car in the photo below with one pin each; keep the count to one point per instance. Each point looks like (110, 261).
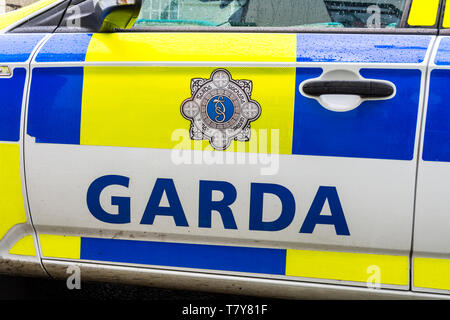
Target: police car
(275, 148)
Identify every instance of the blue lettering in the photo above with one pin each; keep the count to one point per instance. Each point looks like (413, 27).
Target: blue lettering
(336, 218)
(174, 209)
(123, 203)
(223, 207)
(206, 205)
(256, 207)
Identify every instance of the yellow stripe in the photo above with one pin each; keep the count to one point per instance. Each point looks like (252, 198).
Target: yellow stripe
(24, 247)
(393, 270)
(192, 47)
(446, 22)
(57, 246)
(12, 211)
(9, 18)
(144, 110)
(432, 273)
(423, 13)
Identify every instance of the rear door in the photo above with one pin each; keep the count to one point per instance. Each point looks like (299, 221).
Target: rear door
(234, 137)
(431, 259)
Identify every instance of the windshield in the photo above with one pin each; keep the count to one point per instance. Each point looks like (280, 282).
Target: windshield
(272, 13)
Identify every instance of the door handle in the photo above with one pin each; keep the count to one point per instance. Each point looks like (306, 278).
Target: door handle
(345, 90)
(5, 71)
(367, 89)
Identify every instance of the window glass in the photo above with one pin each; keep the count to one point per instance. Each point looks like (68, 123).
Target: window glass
(272, 13)
(12, 5)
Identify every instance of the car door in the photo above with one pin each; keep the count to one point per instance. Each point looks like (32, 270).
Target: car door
(431, 262)
(17, 244)
(258, 140)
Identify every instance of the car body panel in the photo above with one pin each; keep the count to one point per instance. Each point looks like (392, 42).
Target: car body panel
(88, 123)
(18, 245)
(431, 252)
(117, 181)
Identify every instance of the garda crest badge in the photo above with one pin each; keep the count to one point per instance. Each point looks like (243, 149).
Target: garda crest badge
(220, 109)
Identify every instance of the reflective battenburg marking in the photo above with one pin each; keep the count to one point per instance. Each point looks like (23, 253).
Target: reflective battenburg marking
(220, 109)
(93, 116)
(192, 46)
(56, 48)
(362, 48)
(432, 273)
(198, 256)
(17, 47)
(14, 48)
(24, 247)
(12, 207)
(74, 105)
(436, 146)
(54, 108)
(442, 56)
(383, 129)
(354, 267)
(11, 93)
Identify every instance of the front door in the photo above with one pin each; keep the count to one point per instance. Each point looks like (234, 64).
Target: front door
(276, 151)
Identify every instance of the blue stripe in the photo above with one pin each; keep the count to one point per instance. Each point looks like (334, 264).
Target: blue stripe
(11, 93)
(383, 129)
(54, 109)
(443, 54)
(362, 48)
(211, 257)
(17, 47)
(65, 48)
(437, 128)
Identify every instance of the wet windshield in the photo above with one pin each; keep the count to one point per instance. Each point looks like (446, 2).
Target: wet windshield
(272, 13)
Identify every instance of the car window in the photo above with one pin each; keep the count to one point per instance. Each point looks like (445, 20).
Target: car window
(272, 13)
